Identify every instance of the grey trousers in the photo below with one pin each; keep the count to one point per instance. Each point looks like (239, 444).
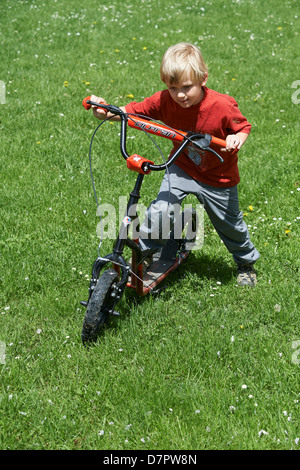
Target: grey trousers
(220, 204)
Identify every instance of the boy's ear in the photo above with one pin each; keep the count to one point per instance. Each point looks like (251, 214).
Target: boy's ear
(205, 79)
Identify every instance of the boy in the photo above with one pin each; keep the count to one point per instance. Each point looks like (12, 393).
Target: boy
(189, 105)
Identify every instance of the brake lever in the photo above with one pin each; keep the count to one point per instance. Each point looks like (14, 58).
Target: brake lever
(215, 153)
(203, 144)
(109, 107)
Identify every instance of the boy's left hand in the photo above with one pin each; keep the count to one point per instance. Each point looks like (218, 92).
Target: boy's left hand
(235, 141)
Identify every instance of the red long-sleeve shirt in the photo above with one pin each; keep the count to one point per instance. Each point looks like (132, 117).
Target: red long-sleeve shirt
(216, 114)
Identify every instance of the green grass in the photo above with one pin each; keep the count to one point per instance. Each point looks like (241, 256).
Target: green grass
(205, 365)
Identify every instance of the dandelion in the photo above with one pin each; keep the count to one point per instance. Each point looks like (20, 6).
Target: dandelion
(130, 96)
(251, 208)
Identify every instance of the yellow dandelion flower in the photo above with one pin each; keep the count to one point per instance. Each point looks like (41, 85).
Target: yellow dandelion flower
(251, 208)
(134, 39)
(144, 48)
(287, 231)
(117, 50)
(130, 96)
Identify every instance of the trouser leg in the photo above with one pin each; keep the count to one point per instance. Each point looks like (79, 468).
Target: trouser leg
(163, 211)
(222, 207)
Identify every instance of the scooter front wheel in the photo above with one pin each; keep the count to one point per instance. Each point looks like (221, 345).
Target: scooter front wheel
(99, 307)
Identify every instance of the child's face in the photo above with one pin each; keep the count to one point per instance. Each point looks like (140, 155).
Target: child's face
(186, 93)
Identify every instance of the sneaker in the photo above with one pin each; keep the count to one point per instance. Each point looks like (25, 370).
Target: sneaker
(246, 275)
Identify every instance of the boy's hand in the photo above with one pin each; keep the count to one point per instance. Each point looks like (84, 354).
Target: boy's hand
(99, 113)
(235, 141)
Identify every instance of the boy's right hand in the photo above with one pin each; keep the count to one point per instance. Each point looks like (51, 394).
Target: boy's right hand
(99, 113)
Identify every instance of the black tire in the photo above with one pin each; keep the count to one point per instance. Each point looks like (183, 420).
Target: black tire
(100, 303)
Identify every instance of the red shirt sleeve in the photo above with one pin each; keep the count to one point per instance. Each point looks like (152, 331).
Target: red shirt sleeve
(150, 107)
(235, 121)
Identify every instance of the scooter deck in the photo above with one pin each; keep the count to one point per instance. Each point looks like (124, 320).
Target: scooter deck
(156, 270)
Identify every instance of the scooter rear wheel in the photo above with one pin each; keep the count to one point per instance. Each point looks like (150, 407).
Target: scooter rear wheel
(99, 307)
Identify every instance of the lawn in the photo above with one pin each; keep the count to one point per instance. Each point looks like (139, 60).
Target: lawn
(206, 364)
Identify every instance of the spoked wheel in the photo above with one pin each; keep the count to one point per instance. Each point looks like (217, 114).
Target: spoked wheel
(100, 306)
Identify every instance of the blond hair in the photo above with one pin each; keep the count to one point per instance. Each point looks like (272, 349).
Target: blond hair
(183, 60)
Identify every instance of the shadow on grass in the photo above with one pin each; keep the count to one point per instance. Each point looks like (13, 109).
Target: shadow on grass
(206, 269)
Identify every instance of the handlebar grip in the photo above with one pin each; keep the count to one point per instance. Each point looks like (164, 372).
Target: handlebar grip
(217, 141)
(86, 105)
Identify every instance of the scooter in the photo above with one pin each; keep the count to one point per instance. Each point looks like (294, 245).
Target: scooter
(112, 274)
